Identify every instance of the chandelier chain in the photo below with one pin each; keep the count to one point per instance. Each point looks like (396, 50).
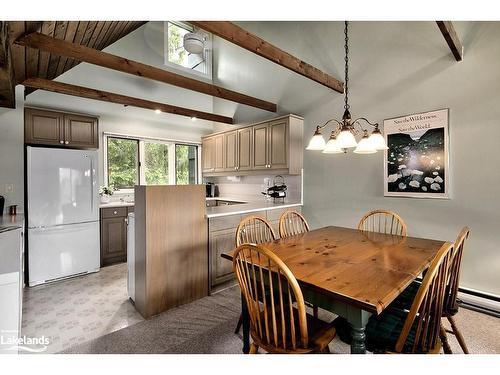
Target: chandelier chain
(346, 84)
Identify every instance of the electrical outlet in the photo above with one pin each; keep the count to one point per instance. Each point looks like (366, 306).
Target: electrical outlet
(9, 188)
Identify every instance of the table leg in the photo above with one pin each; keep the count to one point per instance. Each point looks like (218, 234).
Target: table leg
(246, 325)
(358, 340)
(358, 319)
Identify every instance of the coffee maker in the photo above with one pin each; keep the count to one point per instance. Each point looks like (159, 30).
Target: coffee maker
(210, 190)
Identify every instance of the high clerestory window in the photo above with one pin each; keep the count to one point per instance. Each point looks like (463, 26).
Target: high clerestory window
(178, 57)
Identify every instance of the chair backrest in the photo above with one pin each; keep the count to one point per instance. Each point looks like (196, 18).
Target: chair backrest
(270, 289)
(292, 223)
(450, 305)
(383, 221)
(427, 307)
(254, 230)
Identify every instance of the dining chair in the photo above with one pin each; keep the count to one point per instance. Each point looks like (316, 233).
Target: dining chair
(252, 230)
(278, 319)
(292, 223)
(383, 221)
(450, 307)
(416, 330)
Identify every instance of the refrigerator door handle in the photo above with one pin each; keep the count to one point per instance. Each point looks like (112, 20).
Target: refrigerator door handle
(92, 181)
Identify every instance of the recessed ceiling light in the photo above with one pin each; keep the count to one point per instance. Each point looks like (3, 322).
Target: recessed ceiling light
(157, 111)
(193, 118)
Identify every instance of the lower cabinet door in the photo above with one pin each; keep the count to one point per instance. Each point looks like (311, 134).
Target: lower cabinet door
(113, 240)
(221, 242)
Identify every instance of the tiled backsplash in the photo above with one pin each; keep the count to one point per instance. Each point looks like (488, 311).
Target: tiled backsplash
(247, 187)
(252, 186)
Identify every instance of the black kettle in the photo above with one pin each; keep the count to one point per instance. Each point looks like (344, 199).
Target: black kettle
(2, 203)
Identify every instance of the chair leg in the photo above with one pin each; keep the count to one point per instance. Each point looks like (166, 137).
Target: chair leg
(458, 335)
(254, 348)
(315, 311)
(444, 340)
(238, 326)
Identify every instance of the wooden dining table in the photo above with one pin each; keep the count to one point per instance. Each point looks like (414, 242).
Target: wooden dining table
(351, 273)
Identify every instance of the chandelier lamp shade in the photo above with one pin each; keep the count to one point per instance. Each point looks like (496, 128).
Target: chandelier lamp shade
(343, 136)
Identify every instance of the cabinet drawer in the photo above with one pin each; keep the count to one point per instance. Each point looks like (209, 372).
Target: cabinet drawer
(273, 215)
(113, 212)
(225, 222)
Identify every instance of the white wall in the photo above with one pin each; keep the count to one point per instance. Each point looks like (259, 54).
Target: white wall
(396, 68)
(403, 68)
(11, 153)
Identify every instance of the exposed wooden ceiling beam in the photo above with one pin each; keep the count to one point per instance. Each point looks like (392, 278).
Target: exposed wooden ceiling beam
(7, 76)
(107, 60)
(451, 37)
(257, 45)
(105, 96)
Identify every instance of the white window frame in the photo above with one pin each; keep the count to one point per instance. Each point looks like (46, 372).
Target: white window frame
(141, 140)
(183, 69)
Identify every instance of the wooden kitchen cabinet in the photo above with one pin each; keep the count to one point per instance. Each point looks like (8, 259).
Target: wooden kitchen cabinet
(219, 153)
(221, 242)
(80, 131)
(274, 145)
(278, 145)
(43, 127)
(245, 155)
(260, 146)
(51, 128)
(208, 155)
(114, 235)
(231, 151)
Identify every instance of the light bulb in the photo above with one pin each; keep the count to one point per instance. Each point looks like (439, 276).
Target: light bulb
(377, 140)
(365, 146)
(346, 139)
(332, 146)
(317, 142)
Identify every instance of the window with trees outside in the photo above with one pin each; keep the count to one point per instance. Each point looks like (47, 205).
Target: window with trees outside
(137, 161)
(176, 55)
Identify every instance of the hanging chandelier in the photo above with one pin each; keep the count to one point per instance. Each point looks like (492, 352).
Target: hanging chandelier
(343, 135)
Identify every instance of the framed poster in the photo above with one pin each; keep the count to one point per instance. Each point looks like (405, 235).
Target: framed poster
(416, 164)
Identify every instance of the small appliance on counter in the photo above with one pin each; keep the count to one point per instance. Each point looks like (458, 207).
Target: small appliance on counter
(210, 190)
(278, 190)
(2, 203)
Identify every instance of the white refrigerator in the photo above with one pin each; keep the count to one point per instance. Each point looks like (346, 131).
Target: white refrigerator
(63, 214)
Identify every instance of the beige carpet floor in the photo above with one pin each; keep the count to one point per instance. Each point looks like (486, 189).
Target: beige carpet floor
(206, 326)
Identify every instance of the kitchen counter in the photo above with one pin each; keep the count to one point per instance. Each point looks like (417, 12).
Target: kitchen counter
(116, 204)
(248, 207)
(8, 222)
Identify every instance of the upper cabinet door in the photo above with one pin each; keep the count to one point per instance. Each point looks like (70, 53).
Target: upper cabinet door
(260, 146)
(80, 131)
(245, 149)
(278, 144)
(207, 154)
(231, 151)
(43, 127)
(219, 152)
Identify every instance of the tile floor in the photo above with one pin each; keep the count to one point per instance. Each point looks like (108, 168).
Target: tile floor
(74, 311)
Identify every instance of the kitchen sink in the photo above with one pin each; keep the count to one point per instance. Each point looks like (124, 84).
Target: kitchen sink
(222, 202)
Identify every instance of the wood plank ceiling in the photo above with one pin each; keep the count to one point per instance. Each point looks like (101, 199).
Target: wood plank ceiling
(30, 63)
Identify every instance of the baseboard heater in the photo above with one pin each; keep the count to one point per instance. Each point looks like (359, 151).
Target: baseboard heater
(479, 301)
